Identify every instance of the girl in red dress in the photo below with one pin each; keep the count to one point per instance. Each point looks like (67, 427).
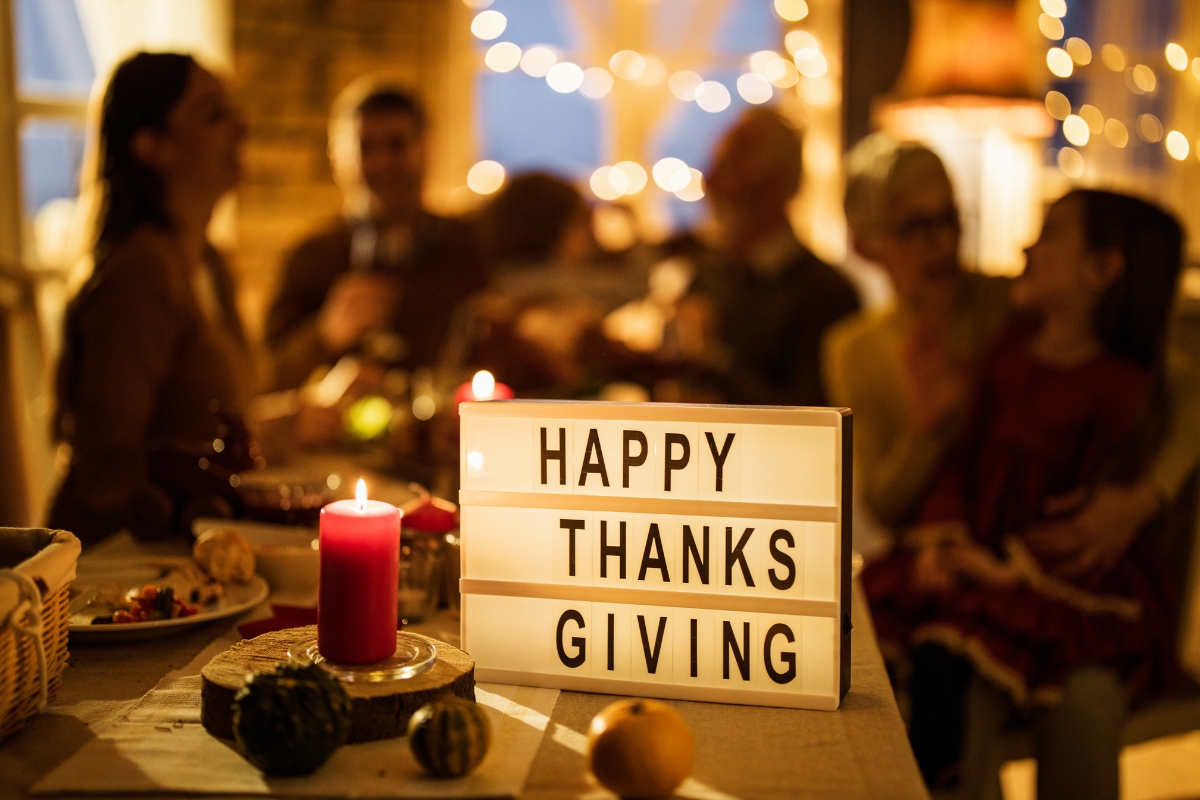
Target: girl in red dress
(1063, 402)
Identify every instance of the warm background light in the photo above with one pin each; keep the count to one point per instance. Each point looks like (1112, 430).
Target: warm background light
(1055, 8)
(1177, 57)
(683, 84)
(754, 88)
(537, 61)
(810, 62)
(1057, 105)
(1051, 27)
(602, 186)
(799, 40)
(694, 189)
(1116, 133)
(781, 72)
(487, 25)
(503, 57)
(485, 177)
(1093, 118)
(635, 175)
(627, 64)
(654, 73)
(1177, 145)
(1113, 57)
(671, 174)
(597, 82)
(1143, 78)
(1060, 62)
(565, 77)
(1070, 161)
(1150, 128)
(1076, 130)
(1079, 51)
(791, 10)
(712, 96)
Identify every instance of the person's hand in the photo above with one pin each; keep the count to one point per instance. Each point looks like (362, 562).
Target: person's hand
(356, 303)
(931, 574)
(1090, 543)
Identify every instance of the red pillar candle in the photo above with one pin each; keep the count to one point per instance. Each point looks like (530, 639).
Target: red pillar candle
(360, 571)
(482, 387)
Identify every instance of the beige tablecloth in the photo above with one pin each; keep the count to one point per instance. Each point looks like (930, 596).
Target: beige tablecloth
(860, 751)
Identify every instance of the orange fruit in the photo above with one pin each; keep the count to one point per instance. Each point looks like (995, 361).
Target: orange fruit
(640, 748)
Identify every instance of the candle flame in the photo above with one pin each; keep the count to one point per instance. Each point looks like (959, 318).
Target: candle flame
(360, 494)
(483, 385)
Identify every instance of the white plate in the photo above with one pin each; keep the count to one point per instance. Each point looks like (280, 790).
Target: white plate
(131, 572)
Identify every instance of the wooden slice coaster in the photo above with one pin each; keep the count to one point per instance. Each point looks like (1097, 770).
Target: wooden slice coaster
(379, 710)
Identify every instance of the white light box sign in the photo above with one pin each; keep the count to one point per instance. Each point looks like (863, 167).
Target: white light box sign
(660, 550)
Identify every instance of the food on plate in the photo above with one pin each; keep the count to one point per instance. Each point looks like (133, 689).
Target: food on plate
(153, 602)
(450, 736)
(640, 748)
(289, 721)
(225, 554)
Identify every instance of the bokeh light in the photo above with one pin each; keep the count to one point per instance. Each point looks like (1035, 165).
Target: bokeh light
(597, 82)
(602, 186)
(1079, 51)
(791, 10)
(565, 77)
(627, 64)
(1116, 133)
(503, 57)
(485, 177)
(1059, 62)
(477, 4)
(1092, 116)
(1076, 130)
(758, 61)
(1177, 57)
(1055, 8)
(654, 73)
(683, 84)
(537, 61)
(671, 174)
(1177, 145)
(635, 175)
(810, 62)
(1057, 105)
(1070, 161)
(1143, 78)
(1113, 57)
(713, 97)
(487, 25)
(798, 40)
(1051, 27)
(694, 189)
(1150, 128)
(754, 88)
(815, 91)
(781, 72)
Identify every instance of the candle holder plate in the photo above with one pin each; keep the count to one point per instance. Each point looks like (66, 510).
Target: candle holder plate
(413, 656)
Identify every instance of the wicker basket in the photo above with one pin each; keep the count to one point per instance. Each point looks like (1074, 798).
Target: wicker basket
(47, 559)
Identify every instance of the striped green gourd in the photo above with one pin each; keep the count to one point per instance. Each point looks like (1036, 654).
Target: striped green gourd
(449, 736)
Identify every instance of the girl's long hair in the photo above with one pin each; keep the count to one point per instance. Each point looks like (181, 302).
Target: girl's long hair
(141, 94)
(1132, 317)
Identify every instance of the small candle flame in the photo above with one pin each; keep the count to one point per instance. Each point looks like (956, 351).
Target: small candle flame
(360, 494)
(483, 385)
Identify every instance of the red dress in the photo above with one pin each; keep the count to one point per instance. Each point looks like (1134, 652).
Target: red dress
(1038, 431)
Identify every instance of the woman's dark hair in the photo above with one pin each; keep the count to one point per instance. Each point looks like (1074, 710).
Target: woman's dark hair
(392, 100)
(141, 94)
(1132, 316)
(528, 219)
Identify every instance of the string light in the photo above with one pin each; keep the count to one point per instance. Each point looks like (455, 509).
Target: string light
(815, 91)
(713, 97)
(1070, 161)
(694, 190)
(602, 185)
(683, 84)
(1076, 130)
(597, 82)
(1051, 27)
(1150, 128)
(1177, 145)
(635, 175)
(1116, 133)
(1113, 57)
(799, 40)
(810, 62)
(781, 72)
(627, 64)
(1143, 78)
(671, 174)
(791, 10)
(1055, 8)
(503, 57)
(565, 77)
(1177, 57)
(487, 25)
(1079, 51)
(1057, 105)
(654, 72)
(537, 61)
(485, 177)
(1094, 119)
(1060, 62)
(754, 88)
(758, 62)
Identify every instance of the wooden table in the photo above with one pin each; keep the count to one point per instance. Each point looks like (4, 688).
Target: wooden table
(860, 751)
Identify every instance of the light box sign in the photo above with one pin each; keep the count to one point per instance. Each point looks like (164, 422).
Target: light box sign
(661, 550)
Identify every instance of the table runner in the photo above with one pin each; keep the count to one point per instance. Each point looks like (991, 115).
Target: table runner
(159, 746)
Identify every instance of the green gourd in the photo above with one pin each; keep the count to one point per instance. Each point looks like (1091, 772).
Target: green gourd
(449, 736)
(289, 721)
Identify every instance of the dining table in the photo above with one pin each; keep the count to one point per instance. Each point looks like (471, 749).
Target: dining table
(860, 750)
